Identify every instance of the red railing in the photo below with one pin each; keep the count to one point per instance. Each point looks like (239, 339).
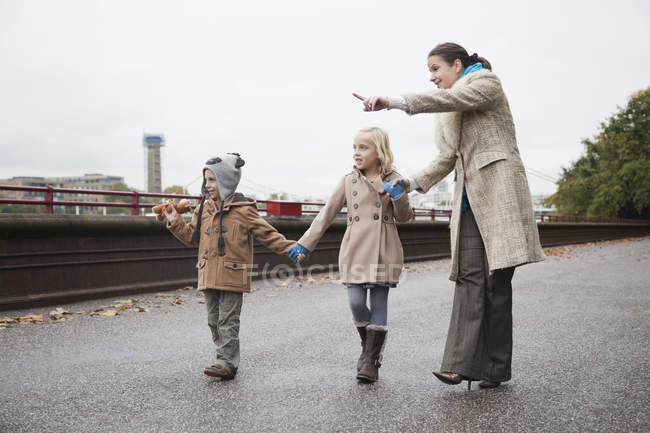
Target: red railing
(49, 200)
(273, 207)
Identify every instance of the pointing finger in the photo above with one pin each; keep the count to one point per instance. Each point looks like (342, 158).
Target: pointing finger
(356, 95)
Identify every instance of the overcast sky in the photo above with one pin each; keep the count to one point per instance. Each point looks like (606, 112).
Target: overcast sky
(81, 80)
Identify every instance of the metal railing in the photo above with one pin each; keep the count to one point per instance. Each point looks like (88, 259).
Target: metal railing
(270, 207)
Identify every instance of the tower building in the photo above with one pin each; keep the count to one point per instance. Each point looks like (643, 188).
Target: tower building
(152, 170)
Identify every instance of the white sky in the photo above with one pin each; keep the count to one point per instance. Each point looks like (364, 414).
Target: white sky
(81, 80)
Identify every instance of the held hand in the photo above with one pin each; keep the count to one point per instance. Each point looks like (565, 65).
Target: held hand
(407, 184)
(298, 253)
(396, 188)
(373, 103)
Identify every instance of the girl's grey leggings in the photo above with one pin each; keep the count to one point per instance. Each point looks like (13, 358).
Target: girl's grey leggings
(377, 314)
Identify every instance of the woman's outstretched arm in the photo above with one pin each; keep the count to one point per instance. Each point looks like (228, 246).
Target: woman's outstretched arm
(479, 93)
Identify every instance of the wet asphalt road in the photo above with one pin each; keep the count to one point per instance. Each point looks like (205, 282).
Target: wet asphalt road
(581, 360)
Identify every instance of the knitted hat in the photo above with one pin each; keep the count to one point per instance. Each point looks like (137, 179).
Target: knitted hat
(227, 170)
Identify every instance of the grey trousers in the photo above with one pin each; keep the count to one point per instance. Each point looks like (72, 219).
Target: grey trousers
(223, 319)
(375, 316)
(479, 341)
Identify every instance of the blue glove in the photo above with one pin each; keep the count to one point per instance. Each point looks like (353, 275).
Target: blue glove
(297, 250)
(396, 191)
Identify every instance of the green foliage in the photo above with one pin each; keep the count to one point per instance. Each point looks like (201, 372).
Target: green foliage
(276, 196)
(612, 179)
(175, 189)
(119, 186)
(21, 208)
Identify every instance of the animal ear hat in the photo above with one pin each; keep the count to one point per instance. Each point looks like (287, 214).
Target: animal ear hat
(227, 170)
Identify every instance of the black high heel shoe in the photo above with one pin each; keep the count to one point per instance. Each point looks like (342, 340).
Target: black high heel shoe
(453, 378)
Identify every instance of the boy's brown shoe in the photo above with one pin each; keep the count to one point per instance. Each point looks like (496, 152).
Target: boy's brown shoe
(218, 371)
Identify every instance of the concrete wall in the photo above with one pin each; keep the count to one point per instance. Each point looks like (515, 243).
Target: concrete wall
(49, 259)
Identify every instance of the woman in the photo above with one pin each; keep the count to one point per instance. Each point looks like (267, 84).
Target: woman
(493, 228)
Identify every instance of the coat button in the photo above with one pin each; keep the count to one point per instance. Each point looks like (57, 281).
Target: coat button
(354, 193)
(385, 217)
(234, 265)
(377, 204)
(356, 218)
(354, 181)
(356, 205)
(376, 217)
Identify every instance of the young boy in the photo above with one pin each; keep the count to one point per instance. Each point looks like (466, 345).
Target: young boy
(223, 227)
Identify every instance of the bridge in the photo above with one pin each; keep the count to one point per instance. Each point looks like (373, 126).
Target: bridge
(580, 362)
(54, 257)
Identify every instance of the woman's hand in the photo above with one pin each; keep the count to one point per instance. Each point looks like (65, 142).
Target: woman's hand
(373, 103)
(404, 181)
(394, 190)
(390, 188)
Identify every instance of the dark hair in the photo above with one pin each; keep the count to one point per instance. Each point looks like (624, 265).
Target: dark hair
(450, 51)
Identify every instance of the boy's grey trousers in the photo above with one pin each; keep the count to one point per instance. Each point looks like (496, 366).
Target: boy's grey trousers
(223, 319)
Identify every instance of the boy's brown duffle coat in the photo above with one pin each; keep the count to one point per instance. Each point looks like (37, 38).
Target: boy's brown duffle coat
(241, 224)
(371, 251)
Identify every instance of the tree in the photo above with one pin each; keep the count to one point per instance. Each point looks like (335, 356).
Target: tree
(612, 179)
(21, 208)
(175, 189)
(119, 186)
(276, 196)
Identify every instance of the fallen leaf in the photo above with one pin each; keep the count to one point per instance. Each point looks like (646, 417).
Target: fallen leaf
(126, 301)
(109, 313)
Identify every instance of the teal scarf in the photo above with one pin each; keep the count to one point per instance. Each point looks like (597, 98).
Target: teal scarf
(468, 70)
(471, 68)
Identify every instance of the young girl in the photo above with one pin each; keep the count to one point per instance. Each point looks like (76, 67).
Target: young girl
(371, 257)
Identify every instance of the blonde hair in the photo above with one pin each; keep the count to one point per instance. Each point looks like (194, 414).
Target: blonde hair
(380, 139)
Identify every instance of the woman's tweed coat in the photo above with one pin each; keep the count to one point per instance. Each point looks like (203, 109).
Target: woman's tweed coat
(476, 135)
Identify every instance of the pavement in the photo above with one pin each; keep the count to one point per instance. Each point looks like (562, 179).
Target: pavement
(580, 364)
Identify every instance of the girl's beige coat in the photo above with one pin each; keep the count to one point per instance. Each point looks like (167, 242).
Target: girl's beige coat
(476, 136)
(371, 250)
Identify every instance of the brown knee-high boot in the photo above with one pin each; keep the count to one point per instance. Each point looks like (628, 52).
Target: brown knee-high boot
(362, 334)
(375, 339)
